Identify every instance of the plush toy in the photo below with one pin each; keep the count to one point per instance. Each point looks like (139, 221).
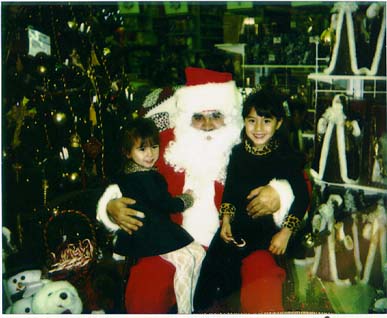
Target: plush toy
(20, 282)
(8, 246)
(23, 272)
(21, 306)
(57, 297)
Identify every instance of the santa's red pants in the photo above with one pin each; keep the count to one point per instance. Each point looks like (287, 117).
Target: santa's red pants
(150, 286)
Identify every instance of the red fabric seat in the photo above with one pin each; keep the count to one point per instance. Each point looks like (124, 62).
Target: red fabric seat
(152, 277)
(150, 287)
(262, 281)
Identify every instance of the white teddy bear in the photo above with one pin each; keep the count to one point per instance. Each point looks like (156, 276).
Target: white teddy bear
(21, 306)
(57, 297)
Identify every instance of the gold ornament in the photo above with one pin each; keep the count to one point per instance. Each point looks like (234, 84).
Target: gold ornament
(73, 177)
(94, 59)
(42, 69)
(72, 24)
(92, 115)
(17, 115)
(59, 117)
(75, 141)
(106, 51)
(327, 37)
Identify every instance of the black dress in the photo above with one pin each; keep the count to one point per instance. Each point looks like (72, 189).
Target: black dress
(159, 234)
(247, 170)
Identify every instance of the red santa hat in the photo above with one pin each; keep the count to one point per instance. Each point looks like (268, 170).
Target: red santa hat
(200, 76)
(205, 90)
(208, 90)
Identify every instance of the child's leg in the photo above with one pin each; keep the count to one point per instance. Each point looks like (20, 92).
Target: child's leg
(199, 253)
(187, 261)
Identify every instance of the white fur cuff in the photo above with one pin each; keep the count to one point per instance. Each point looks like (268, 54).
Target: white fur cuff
(112, 192)
(285, 192)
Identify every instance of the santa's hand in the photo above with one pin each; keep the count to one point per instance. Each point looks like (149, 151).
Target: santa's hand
(225, 232)
(124, 217)
(265, 200)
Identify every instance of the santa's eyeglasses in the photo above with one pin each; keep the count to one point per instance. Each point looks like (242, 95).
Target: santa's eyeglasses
(207, 115)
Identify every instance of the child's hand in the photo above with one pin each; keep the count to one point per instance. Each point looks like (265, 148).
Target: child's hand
(279, 242)
(225, 232)
(190, 192)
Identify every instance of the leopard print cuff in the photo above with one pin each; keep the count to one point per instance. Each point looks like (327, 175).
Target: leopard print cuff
(227, 209)
(292, 222)
(187, 199)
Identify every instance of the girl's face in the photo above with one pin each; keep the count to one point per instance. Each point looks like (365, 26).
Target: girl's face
(145, 156)
(260, 129)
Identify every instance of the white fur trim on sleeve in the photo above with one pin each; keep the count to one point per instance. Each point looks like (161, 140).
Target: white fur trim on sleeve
(111, 192)
(285, 192)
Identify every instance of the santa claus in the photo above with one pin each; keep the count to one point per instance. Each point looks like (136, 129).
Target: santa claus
(203, 124)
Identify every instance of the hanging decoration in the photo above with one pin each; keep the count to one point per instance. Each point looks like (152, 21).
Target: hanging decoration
(17, 116)
(38, 42)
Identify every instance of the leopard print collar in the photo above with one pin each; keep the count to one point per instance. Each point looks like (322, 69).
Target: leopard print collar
(266, 149)
(131, 167)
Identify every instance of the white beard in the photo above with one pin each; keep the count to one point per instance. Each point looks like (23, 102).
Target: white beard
(203, 156)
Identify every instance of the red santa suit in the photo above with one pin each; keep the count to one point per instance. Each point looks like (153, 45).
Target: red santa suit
(197, 160)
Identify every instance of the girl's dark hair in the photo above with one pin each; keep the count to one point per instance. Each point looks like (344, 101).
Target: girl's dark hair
(140, 128)
(267, 103)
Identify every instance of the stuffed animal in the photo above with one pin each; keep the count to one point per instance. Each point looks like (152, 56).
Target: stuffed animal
(19, 283)
(57, 297)
(8, 246)
(23, 272)
(21, 306)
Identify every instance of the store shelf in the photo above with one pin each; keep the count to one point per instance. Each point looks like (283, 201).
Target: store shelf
(330, 78)
(274, 66)
(366, 189)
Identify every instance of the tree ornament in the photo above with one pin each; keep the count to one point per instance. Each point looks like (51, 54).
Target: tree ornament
(94, 59)
(73, 177)
(76, 59)
(59, 117)
(75, 141)
(72, 24)
(16, 116)
(93, 148)
(92, 115)
(106, 51)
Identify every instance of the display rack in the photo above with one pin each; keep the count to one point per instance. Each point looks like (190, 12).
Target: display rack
(290, 72)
